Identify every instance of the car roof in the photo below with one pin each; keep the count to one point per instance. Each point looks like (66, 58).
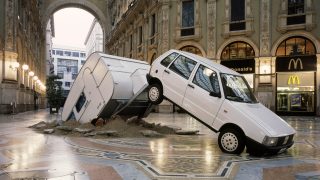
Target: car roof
(205, 61)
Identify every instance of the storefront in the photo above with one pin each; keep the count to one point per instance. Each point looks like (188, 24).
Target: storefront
(296, 68)
(239, 56)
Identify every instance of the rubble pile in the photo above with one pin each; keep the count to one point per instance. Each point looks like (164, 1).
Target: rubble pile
(117, 126)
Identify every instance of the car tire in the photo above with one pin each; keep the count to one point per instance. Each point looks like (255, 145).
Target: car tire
(231, 141)
(155, 95)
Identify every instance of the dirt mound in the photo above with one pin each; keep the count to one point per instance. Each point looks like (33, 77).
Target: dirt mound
(124, 127)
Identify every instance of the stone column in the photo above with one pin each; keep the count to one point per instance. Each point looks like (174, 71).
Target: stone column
(165, 27)
(211, 28)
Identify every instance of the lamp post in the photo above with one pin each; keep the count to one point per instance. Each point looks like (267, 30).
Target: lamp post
(35, 78)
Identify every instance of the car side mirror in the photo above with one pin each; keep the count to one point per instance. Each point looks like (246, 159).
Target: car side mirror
(215, 94)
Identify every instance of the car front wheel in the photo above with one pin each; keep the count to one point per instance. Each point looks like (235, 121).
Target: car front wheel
(231, 141)
(155, 94)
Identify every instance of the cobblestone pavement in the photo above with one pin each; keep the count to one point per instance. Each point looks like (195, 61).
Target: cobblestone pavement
(25, 154)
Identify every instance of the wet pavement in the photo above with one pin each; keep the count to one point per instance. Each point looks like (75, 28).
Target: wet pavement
(26, 154)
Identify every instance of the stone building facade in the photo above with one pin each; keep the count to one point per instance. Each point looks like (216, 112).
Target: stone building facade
(22, 56)
(274, 43)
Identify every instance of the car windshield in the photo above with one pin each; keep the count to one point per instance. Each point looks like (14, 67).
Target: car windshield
(237, 89)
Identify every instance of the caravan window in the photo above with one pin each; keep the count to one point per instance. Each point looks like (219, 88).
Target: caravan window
(82, 99)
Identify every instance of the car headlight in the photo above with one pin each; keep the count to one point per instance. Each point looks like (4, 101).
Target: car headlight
(270, 141)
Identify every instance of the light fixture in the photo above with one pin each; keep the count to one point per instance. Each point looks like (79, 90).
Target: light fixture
(35, 78)
(25, 67)
(14, 66)
(38, 81)
(31, 73)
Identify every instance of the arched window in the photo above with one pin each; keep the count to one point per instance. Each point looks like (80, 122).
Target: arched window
(294, 46)
(237, 50)
(192, 49)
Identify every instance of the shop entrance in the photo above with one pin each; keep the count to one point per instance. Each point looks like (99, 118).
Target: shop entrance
(296, 67)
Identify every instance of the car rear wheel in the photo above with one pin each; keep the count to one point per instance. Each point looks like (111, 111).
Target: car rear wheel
(231, 141)
(155, 95)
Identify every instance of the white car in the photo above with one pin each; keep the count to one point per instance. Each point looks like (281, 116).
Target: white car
(221, 99)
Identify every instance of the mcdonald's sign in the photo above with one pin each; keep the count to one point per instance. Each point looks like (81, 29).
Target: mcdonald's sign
(294, 79)
(295, 63)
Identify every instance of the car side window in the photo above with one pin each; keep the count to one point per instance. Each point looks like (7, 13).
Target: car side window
(207, 79)
(183, 66)
(166, 61)
(82, 99)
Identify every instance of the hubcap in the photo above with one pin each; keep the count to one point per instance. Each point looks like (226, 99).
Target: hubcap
(229, 142)
(154, 94)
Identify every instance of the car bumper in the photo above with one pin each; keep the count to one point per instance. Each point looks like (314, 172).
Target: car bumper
(256, 148)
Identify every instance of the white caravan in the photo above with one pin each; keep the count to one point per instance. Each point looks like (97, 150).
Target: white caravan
(221, 99)
(107, 85)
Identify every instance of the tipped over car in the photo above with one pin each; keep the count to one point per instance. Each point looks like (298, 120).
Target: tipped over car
(221, 99)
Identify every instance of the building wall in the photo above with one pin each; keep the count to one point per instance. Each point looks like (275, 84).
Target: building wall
(23, 43)
(94, 39)
(265, 28)
(70, 62)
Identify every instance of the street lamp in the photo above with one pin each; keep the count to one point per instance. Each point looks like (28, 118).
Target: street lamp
(24, 68)
(31, 74)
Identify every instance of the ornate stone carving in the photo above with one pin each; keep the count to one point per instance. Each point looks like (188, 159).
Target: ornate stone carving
(265, 28)
(9, 26)
(165, 27)
(211, 25)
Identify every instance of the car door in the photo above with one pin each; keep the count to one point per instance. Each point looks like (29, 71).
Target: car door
(197, 99)
(175, 78)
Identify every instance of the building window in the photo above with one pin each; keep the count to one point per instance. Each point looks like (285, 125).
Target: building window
(53, 52)
(67, 53)
(296, 46)
(60, 53)
(131, 45)
(82, 54)
(67, 84)
(82, 62)
(187, 28)
(74, 76)
(237, 21)
(153, 29)
(237, 50)
(296, 13)
(140, 39)
(75, 54)
(60, 75)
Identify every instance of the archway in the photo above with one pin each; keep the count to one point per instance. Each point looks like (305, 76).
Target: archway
(296, 66)
(103, 18)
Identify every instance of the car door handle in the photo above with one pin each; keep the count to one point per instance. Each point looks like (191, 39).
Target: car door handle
(190, 85)
(166, 71)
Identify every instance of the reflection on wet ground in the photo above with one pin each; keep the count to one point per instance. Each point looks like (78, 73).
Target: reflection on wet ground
(27, 154)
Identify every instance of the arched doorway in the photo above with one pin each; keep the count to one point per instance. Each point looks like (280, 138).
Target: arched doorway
(296, 66)
(192, 49)
(239, 56)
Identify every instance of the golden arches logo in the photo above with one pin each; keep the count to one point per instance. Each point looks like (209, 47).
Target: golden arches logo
(295, 63)
(294, 79)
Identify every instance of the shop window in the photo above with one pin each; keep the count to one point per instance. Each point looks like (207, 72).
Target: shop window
(187, 28)
(296, 46)
(296, 13)
(237, 50)
(237, 21)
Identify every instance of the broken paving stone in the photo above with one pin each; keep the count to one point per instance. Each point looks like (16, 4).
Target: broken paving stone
(64, 128)
(149, 133)
(48, 131)
(133, 119)
(90, 134)
(187, 132)
(39, 125)
(175, 128)
(82, 130)
(108, 133)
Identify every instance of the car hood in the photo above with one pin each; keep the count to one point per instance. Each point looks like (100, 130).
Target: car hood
(267, 119)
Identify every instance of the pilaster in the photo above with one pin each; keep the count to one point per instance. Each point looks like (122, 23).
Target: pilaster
(211, 28)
